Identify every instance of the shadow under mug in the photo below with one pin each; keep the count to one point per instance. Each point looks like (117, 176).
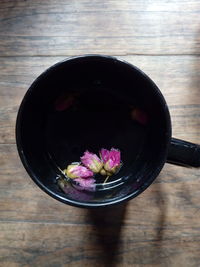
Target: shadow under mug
(91, 102)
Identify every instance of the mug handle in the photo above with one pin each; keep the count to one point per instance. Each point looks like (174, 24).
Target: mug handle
(184, 153)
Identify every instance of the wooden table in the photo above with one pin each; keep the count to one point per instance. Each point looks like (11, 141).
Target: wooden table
(161, 227)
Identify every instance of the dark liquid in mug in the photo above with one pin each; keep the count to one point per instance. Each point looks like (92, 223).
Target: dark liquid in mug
(92, 119)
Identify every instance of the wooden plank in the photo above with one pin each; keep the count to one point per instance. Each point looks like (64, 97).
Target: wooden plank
(86, 6)
(109, 27)
(155, 228)
(30, 244)
(161, 226)
(15, 78)
(177, 77)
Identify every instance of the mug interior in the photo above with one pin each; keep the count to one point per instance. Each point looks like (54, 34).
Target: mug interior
(89, 103)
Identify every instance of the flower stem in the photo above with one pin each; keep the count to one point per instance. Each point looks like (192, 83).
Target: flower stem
(106, 179)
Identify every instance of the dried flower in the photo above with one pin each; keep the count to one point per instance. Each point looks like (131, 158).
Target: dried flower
(92, 161)
(77, 171)
(111, 160)
(86, 184)
(64, 102)
(139, 116)
(107, 165)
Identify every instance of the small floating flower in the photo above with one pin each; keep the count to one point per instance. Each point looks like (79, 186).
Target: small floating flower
(111, 160)
(92, 161)
(77, 171)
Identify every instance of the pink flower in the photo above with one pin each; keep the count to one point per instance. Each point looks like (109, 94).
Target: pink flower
(77, 171)
(92, 161)
(104, 153)
(85, 184)
(111, 159)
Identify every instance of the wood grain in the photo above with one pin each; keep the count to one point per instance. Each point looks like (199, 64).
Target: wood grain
(161, 226)
(111, 27)
(72, 245)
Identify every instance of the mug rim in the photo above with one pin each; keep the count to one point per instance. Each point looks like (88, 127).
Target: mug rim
(87, 204)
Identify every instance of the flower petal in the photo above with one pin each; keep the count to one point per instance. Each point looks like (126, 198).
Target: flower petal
(78, 171)
(104, 154)
(92, 161)
(111, 159)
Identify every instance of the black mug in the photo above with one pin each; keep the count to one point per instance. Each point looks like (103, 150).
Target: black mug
(92, 102)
